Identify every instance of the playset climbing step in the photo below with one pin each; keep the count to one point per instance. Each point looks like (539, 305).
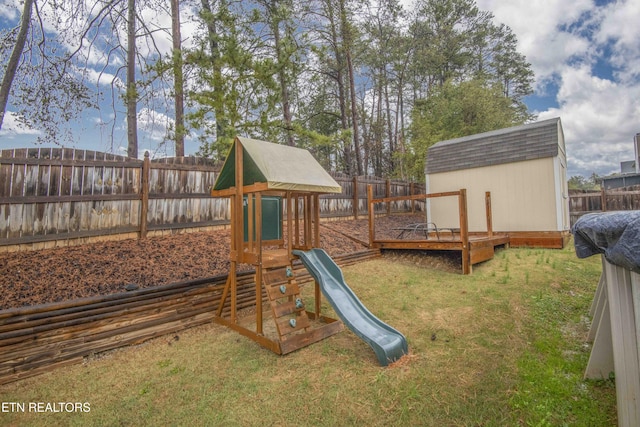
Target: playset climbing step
(287, 307)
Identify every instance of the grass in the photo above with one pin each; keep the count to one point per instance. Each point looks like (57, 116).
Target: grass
(504, 346)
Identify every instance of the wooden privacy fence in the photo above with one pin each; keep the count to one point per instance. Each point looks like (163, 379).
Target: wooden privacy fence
(353, 200)
(619, 199)
(41, 338)
(56, 194)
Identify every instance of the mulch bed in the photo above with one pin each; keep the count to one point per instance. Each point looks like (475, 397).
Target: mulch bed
(67, 273)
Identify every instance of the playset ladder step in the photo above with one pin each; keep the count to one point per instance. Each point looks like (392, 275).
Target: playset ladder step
(275, 258)
(279, 291)
(288, 326)
(287, 307)
(276, 276)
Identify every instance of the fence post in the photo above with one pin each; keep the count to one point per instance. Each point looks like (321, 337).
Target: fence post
(355, 197)
(372, 217)
(464, 231)
(388, 191)
(487, 200)
(603, 199)
(144, 208)
(413, 202)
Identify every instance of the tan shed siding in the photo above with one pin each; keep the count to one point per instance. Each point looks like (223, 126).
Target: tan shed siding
(564, 215)
(562, 194)
(522, 196)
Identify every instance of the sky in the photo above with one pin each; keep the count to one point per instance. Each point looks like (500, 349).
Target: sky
(586, 58)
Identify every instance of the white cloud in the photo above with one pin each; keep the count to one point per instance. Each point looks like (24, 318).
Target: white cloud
(599, 118)
(537, 25)
(568, 42)
(10, 9)
(619, 26)
(12, 127)
(104, 78)
(148, 118)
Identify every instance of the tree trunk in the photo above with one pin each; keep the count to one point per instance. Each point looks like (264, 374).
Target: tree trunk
(132, 93)
(178, 77)
(339, 77)
(282, 78)
(354, 113)
(379, 129)
(216, 69)
(400, 118)
(366, 136)
(390, 130)
(14, 59)
(347, 45)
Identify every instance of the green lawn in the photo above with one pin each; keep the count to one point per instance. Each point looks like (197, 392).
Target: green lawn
(502, 347)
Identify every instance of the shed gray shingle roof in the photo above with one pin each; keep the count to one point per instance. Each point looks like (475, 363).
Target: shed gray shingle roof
(515, 144)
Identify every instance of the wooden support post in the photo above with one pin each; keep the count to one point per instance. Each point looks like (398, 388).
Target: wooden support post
(316, 220)
(234, 295)
(233, 258)
(237, 230)
(258, 227)
(225, 292)
(289, 204)
(144, 189)
(251, 216)
(603, 199)
(318, 299)
(297, 218)
(308, 223)
(464, 232)
(487, 200)
(413, 202)
(355, 197)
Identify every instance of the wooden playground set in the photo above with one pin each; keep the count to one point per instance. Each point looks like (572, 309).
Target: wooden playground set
(257, 205)
(270, 186)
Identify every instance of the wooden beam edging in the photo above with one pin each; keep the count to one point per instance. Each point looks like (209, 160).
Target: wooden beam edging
(40, 338)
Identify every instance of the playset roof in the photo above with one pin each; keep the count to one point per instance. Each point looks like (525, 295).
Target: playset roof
(280, 166)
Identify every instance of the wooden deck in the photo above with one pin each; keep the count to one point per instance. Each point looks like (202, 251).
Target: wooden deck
(474, 247)
(478, 248)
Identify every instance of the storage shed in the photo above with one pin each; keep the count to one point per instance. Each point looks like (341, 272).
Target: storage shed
(523, 168)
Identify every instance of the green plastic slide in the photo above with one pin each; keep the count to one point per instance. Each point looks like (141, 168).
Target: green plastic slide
(388, 344)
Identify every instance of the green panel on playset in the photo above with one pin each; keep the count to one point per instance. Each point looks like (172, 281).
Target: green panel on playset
(271, 218)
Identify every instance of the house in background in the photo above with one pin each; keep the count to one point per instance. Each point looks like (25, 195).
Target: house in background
(524, 169)
(629, 171)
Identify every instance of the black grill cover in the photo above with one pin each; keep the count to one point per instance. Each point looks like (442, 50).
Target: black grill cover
(614, 234)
